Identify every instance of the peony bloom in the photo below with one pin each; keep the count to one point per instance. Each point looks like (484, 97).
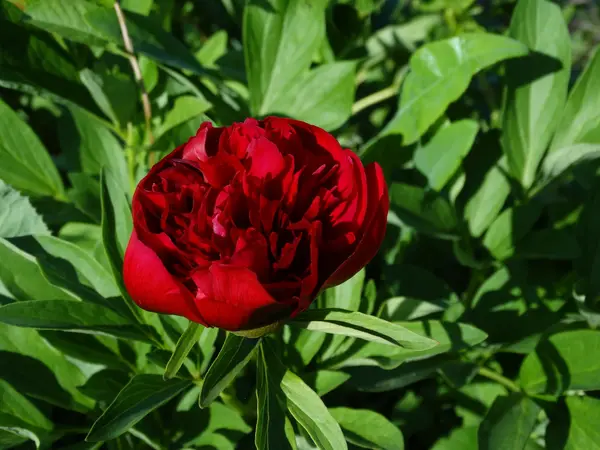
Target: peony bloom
(243, 226)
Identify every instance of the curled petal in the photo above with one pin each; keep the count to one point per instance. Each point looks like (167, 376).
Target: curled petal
(373, 229)
(152, 287)
(232, 298)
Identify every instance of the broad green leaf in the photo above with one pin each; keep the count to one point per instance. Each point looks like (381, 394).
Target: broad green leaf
(441, 157)
(24, 162)
(186, 342)
(561, 159)
(69, 315)
(271, 409)
(362, 326)
(35, 63)
(483, 394)
(17, 405)
(582, 425)
(186, 107)
(28, 342)
(86, 236)
(346, 296)
(280, 38)
(91, 24)
(486, 203)
(508, 423)
(142, 395)
(305, 405)
(105, 385)
(85, 194)
(110, 238)
(407, 308)
(22, 276)
(440, 73)
(580, 120)
(233, 357)
(509, 228)
(308, 344)
(212, 49)
(537, 86)
(424, 211)
(397, 37)
(459, 439)
(323, 97)
(89, 145)
(15, 431)
(33, 378)
(109, 89)
(17, 216)
(563, 362)
(368, 429)
(326, 381)
(451, 337)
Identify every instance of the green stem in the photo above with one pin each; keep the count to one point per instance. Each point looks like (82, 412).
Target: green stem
(374, 98)
(495, 376)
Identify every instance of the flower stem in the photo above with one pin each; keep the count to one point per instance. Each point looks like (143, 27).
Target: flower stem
(495, 376)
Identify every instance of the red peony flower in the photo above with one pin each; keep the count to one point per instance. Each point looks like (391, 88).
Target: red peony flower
(243, 226)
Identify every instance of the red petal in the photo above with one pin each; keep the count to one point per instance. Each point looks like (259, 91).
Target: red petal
(152, 287)
(266, 159)
(374, 227)
(232, 298)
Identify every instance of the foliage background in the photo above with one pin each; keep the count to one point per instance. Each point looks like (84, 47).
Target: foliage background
(485, 116)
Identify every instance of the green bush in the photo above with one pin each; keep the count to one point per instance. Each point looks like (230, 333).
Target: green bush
(475, 327)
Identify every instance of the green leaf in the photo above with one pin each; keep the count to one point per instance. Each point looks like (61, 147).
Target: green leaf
(440, 73)
(441, 157)
(368, 429)
(105, 385)
(69, 315)
(23, 278)
(323, 97)
(486, 202)
(451, 337)
(212, 49)
(362, 326)
(346, 296)
(233, 357)
(186, 107)
(24, 162)
(400, 37)
(582, 424)
(28, 342)
(17, 405)
(280, 38)
(563, 362)
(508, 423)
(89, 145)
(109, 89)
(110, 238)
(580, 120)
(15, 431)
(459, 439)
(550, 244)
(142, 395)
(271, 409)
(424, 211)
(308, 344)
(510, 228)
(326, 381)
(86, 236)
(90, 24)
(561, 159)
(186, 342)
(36, 64)
(305, 405)
(537, 86)
(18, 217)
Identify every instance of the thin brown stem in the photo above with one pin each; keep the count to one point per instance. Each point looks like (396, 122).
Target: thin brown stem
(137, 72)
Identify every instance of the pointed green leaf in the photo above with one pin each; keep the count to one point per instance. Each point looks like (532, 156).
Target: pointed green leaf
(186, 342)
(142, 395)
(69, 315)
(233, 357)
(362, 326)
(508, 423)
(24, 162)
(17, 216)
(305, 405)
(368, 429)
(537, 86)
